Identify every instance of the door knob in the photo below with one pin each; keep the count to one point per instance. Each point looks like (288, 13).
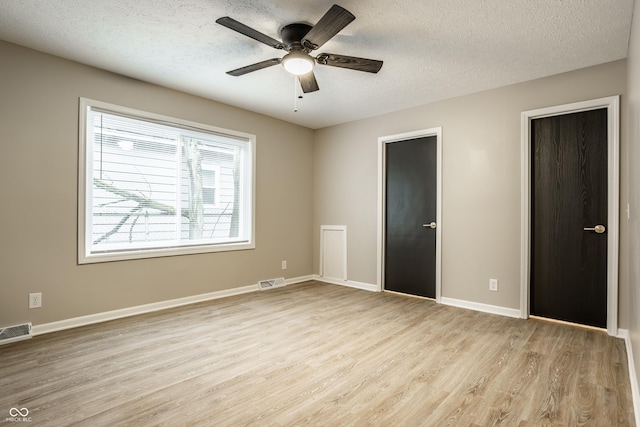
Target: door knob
(598, 229)
(430, 225)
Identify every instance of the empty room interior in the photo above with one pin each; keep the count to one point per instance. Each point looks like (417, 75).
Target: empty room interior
(307, 213)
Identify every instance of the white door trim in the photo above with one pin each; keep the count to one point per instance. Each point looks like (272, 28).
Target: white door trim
(612, 104)
(437, 132)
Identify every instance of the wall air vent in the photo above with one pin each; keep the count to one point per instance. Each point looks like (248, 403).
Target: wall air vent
(15, 333)
(271, 283)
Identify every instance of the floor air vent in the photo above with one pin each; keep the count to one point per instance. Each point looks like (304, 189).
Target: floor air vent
(272, 283)
(15, 333)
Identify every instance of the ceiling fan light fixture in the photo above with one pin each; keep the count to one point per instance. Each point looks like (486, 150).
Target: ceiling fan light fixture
(297, 63)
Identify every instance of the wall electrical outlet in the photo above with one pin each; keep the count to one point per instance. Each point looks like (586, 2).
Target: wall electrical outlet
(493, 285)
(35, 300)
(284, 264)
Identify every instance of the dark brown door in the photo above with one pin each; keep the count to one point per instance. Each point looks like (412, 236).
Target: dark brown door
(569, 199)
(410, 239)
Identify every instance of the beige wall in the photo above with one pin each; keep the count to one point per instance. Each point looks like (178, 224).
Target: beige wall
(481, 180)
(304, 179)
(633, 171)
(38, 171)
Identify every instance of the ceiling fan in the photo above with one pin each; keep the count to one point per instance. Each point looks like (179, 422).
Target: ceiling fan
(299, 40)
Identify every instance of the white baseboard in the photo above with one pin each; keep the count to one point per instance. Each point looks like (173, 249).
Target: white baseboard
(485, 308)
(633, 379)
(298, 279)
(90, 319)
(348, 283)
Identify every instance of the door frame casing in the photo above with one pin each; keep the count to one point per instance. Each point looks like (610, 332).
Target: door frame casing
(382, 141)
(612, 104)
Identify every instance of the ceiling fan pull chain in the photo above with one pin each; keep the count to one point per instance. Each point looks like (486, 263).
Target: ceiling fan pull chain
(295, 94)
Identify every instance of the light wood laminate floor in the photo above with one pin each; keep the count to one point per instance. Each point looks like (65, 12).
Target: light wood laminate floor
(318, 354)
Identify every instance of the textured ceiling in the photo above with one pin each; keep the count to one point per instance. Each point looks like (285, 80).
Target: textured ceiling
(432, 49)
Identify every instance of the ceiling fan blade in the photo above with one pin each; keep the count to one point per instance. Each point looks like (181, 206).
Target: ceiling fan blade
(249, 32)
(350, 62)
(328, 26)
(254, 67)
(308, 82)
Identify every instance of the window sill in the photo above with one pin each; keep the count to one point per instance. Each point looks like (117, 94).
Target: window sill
(163, 252)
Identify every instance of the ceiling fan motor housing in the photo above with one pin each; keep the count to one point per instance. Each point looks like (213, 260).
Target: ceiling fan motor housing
(292, 36)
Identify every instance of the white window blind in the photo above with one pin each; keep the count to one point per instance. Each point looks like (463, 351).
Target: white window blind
(157, 186)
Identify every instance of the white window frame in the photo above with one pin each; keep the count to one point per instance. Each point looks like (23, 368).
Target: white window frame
(85, 186)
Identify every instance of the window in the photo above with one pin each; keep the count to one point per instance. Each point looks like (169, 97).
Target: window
(210, 175)
(157, 186)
